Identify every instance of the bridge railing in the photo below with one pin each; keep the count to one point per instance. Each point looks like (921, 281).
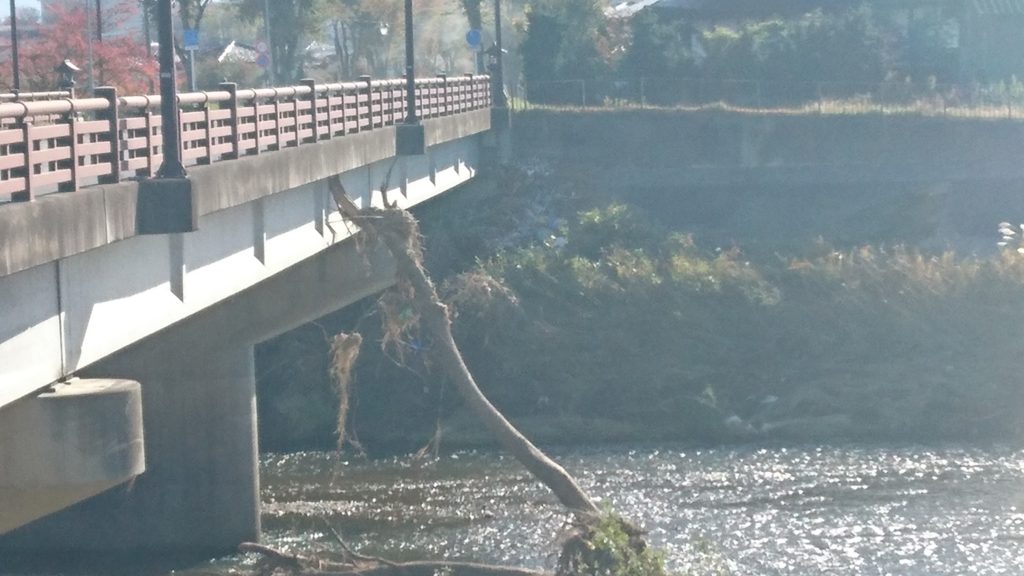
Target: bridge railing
(63, 145)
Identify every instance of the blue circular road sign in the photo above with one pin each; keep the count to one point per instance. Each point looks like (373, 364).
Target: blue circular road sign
(474, 38)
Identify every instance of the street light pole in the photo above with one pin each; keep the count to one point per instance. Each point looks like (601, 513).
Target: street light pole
(14, 48)
(171, 166)
(410, 136)
(88, 37)
(270, 51)
(165, 203)
(499, 68)
(410, 74)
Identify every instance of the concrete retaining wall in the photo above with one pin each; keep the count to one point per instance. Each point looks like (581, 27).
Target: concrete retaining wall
(897, 146)
(780, 182)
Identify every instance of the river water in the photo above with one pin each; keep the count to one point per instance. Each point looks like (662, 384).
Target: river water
(845, 510)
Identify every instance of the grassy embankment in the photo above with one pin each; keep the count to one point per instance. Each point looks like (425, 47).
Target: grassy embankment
(586, 321)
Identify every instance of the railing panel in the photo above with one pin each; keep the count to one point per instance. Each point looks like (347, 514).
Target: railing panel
(221, 149)
(133, 123)
(8, 137)
(12, 185)
(93, 149)
(193, 117)
(92, 127)
(136, 164)
(92, 170)
(193, 153)
(8, 161)
(52, 131)
(220, 132)
(53, 178)
(220, 114)
(52, 154)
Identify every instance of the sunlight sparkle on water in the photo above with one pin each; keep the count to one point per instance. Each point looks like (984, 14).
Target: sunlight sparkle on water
(754, 511)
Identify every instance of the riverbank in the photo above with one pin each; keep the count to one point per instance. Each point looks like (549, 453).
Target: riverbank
(590, 320)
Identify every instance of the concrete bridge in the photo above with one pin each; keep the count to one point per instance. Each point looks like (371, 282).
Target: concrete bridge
(127, 401)
(127, 395)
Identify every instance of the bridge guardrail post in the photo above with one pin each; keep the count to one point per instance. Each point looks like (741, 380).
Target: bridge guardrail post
(256, 123)
(444, 93)
(329, 113)
(276, 143)
(208, 129)
(314, 117)
(151, 140)
(26, 195)
(72, 163)
(232, 104)
(370, 101)
(348, 95)
(111, 115)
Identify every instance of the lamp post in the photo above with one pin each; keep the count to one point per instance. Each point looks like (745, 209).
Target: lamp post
(271, 75)
(410, 136)
(171, 166)
(498, 70)
(88, 38)
(165, 202)
(410, 73)
(14, 48)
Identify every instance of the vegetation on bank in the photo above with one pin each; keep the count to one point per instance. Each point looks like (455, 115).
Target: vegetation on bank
(593, 323)
(835, 58)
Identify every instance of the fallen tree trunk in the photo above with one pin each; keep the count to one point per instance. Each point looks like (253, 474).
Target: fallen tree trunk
(398, 230)
(597, 543)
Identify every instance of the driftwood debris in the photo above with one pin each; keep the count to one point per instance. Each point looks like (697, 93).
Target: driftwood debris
(399, 232)
(276, 562)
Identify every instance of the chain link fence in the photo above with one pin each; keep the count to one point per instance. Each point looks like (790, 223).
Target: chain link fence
(981, 101)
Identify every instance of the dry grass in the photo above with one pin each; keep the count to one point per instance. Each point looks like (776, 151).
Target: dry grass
(343, 355)
(854, 105)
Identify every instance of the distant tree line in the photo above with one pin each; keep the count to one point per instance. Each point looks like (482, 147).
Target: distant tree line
(861, 43)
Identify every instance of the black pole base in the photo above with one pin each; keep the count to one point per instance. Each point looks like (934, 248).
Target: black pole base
(410, 140)
(166, 206)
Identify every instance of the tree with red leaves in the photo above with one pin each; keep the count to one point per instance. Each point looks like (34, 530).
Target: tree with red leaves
(119, 61)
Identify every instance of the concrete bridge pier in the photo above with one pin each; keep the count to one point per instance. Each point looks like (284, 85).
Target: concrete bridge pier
(73, 441)
(200, 492)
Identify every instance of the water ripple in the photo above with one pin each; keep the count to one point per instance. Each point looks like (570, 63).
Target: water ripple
(752, 510)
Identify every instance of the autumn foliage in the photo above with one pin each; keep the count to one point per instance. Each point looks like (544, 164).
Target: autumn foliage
(121, 61)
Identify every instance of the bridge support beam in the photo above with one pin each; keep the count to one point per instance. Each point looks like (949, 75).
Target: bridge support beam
(200, 492)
